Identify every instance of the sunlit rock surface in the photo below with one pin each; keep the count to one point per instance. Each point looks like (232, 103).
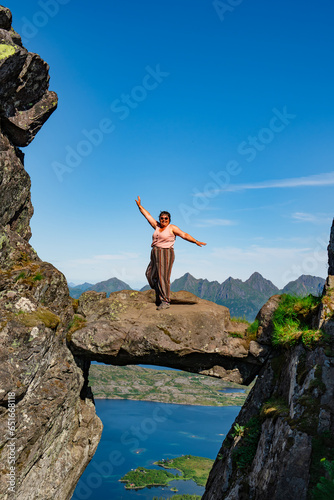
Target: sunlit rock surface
(193, 334)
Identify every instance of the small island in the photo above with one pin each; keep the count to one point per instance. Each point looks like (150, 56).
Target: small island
(191, 467)
(180, 497)
(142, 477)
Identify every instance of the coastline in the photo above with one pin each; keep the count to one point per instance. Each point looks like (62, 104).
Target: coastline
(167, 402)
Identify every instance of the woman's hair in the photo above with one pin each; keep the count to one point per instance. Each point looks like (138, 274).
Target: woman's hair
(165, 213)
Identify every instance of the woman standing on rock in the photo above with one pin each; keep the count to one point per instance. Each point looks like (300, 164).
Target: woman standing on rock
(162, 255)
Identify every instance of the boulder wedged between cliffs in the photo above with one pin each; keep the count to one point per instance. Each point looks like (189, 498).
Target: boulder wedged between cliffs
(194, 335)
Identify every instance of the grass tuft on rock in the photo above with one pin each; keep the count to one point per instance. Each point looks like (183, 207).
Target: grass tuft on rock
(274, 408)
(292, 321)
(76, 323)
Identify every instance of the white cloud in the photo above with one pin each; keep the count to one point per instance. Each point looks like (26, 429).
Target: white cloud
(313, 218)
(325, 179)
(214, 222)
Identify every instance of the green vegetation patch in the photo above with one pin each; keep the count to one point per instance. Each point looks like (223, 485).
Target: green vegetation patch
(236, 335)
(240, 320)
(253, 328)
(38, 277)
(292, 321)
(244, 454)
(195, 468)
(274, 408)
(180, 497)
(191, 467)
(325, 487)
(29, 276)
(239, 430)
(321, 470)
(76, 323)
(142, 477)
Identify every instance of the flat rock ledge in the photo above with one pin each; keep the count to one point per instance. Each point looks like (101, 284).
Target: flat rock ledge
(193, 334)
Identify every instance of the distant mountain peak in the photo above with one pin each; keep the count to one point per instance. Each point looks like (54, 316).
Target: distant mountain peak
(261, 284)
(255, 275)
(305, 285)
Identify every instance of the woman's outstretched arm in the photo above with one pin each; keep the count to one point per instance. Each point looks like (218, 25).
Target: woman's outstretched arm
(146, 214)
(177, 231)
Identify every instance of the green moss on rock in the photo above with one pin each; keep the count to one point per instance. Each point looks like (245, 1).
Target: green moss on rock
(35, 318)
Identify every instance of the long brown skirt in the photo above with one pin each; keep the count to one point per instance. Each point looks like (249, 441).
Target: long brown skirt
(158, 272)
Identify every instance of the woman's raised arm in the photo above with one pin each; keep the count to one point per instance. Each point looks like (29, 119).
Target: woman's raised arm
(177, 231)
(146, 214)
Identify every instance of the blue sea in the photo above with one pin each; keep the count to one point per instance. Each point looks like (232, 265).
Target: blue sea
(137, 433)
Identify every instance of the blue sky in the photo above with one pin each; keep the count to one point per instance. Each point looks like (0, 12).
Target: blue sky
(220, 112)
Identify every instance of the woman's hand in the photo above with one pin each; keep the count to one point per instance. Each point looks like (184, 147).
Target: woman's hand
(200, 243)
(146, 214)
(138, 202)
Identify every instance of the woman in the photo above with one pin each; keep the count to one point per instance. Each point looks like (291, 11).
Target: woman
(162, 255)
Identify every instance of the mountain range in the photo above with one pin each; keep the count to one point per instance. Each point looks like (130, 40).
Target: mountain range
(243, 298)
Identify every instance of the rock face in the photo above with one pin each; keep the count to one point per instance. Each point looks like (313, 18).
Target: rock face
(290, 405)
(56, 428)
(25, 104)
(55, 431)
(331, 252)
(286, 425)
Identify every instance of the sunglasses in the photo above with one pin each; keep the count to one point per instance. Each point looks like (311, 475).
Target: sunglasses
(164, 218)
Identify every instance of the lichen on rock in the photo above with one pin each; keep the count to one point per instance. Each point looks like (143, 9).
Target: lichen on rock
(6, 51)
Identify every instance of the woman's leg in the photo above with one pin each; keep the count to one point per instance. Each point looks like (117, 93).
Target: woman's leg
(152, 276)
(164, 260)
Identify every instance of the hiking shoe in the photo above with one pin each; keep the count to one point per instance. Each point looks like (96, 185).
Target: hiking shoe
(163, 305)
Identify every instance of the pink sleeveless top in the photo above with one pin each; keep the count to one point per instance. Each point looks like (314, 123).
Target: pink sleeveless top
(163, 239)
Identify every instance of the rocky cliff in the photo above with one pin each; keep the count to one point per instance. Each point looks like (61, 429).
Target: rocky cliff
(286, 425)
(53, 433)
(331, 252)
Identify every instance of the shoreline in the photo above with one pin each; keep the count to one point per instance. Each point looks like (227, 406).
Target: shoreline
(164, 402)
(141, 487)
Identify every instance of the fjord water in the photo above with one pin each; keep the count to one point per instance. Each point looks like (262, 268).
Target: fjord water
(137, 433)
